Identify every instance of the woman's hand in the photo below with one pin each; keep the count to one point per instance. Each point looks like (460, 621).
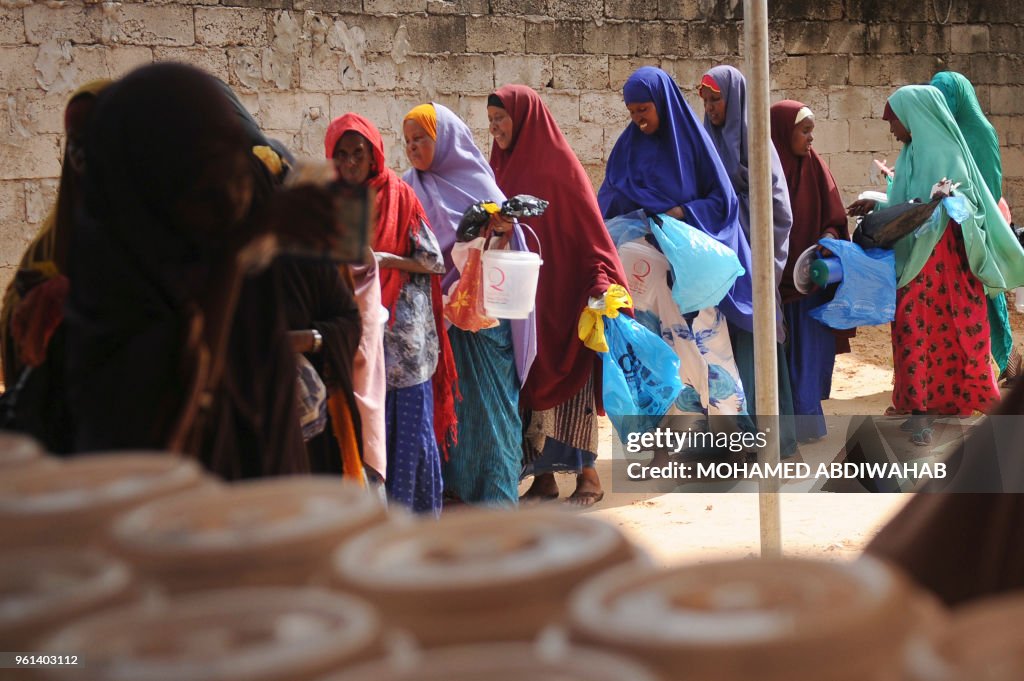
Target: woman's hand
(499, 224)
(861, 207)
(883, 168)
(822, 251)
(396, 262)
(676, 212)
(306, 340)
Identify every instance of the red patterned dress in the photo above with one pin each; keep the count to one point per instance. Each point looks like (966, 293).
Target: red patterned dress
(940, 336)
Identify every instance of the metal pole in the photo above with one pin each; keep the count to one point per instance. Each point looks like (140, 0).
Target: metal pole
(755, 26)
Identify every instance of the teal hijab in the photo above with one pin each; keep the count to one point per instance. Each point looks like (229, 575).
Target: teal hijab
(937, 149)
(977, 131)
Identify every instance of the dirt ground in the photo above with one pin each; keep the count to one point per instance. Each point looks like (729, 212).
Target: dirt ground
(697, 527)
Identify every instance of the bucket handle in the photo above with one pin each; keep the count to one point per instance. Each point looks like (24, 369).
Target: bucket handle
(530, 230)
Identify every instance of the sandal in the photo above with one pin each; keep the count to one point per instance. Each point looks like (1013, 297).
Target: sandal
(923, 437)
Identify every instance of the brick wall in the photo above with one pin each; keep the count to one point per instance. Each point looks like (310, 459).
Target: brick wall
(298, 63)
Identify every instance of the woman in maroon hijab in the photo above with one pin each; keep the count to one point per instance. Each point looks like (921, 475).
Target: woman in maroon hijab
(561, 396)
(818, 212)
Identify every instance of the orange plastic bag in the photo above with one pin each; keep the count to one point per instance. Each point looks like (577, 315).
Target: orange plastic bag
(465, 307)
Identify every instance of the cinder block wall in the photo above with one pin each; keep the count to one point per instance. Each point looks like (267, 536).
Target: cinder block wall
(298, 63)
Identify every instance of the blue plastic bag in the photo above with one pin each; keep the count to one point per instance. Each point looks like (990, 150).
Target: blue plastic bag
(958, 209)
(640, 375)
(627, 227)
(704, 268)
(867, 293)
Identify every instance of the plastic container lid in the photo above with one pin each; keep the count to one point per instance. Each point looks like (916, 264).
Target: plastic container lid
(42, 589)
(232, 635)
(273, 531)
(787, 619)
(502, 662)
(444, 581)
(72, 502)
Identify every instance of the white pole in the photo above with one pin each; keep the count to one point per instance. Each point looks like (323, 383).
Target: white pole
(755, 26)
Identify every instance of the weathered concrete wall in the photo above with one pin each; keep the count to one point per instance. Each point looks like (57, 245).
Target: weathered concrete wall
(297, 63)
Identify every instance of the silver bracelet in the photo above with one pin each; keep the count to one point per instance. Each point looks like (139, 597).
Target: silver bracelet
(318, 341)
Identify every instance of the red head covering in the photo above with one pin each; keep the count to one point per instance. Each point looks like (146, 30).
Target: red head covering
(580, 259)
(814, 196)
(707, 81)
(399, 215)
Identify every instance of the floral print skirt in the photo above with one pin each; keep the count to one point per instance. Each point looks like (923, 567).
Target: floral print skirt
(940, 337)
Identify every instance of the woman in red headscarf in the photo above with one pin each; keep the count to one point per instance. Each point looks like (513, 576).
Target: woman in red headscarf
(530, 155)
(420, 402)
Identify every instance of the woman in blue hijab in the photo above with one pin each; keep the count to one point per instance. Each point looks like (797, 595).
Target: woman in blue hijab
(664, 162)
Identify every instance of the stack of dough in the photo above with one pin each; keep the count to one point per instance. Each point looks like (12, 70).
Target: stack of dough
(272, 634)
(477, 575)
(771, 620)
(72, 503)
(278, 531)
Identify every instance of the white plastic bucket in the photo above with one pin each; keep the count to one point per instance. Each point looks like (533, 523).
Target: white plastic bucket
(510, 283)
(1018, 299)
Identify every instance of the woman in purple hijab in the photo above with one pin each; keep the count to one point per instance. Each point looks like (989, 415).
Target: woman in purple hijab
(449, 174)
(724, 92)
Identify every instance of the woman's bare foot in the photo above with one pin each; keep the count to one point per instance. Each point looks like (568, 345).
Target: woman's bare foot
(588, 489)
(544, 488)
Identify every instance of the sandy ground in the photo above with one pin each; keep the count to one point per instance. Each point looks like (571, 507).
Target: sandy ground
(697, 527)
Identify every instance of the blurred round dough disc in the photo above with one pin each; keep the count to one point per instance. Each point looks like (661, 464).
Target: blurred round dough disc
(478, 575)
(19, 450)
(774, 620)
(273, 634)
(72, 502)
(985, 641)
(502, 662)
(278, 531)
(43, 589)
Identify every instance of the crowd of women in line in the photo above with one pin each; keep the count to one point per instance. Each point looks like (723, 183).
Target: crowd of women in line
(156, 309)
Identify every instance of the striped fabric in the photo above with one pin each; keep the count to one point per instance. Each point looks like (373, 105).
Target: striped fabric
(562, 439)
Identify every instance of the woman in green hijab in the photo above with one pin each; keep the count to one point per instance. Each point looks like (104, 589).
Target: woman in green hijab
(944, 269)
(983, 142)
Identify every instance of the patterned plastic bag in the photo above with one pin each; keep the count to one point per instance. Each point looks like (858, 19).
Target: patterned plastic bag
(312, 396)
(465, 306)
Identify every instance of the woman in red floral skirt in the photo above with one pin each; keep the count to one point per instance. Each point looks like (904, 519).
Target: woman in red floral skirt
(944, 268)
